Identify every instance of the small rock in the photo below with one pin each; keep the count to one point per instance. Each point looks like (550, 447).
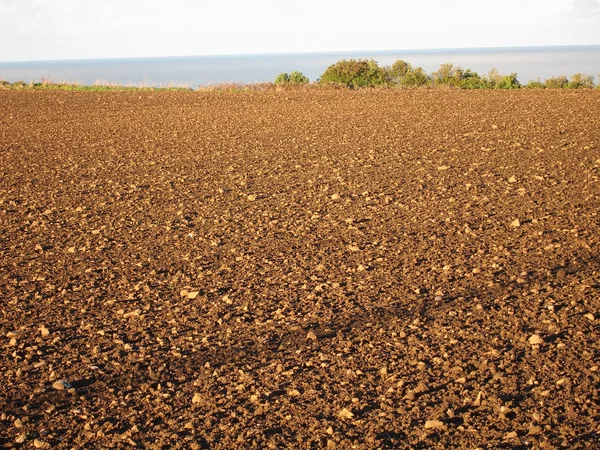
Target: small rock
(515, 223)
(510, 435)
(534, 339)
(311, 336)
(61, 385)
(192, 295)
(251, 197)
(294, 393)
(562, 382)
(590, 317)
(443, 168)
(21, 438)
(534, 430)
(512, 179)
(434, 425)
(197, 398)
(345, 414)
(477, 401)
(44, 331)
(335, 197)
(37, 443)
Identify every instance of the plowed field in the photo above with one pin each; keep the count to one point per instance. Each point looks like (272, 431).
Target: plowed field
(321, 269)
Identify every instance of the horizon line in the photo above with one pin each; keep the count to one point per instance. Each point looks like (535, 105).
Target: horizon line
(333, 52)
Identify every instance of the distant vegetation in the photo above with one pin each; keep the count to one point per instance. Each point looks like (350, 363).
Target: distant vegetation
(353, 74)
(98, 86)
(367, 73)
(294, 78)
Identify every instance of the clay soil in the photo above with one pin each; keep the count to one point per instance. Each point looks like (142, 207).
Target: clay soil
(320, 269)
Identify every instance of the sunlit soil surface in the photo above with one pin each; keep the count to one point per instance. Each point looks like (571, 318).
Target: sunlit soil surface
(322, 269)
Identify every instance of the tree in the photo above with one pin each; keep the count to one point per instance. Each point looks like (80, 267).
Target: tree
(298, 78)
(293, 78)
(558, 82)
(580, 81)
(355, 73)
(448, 74)
(282, 78)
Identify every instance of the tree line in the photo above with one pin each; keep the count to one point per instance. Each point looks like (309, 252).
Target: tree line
(361, 73)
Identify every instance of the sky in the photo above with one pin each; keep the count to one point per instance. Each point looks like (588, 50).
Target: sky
(35, 30)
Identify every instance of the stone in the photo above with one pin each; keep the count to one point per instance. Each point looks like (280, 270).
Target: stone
(197, 398)
(534, 339)
(335, 197)
(311, 336)
(61, 385)
(345, 414)
(434, 425)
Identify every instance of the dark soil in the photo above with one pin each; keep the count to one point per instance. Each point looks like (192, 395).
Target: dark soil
(322, 269)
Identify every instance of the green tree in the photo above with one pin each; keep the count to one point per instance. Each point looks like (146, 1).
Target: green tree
(282, 78)
(355, 73)
(399, 69)
(580, 81)
(298, 78)
(537, 84)
(447, 75)
(402, 73)
(559, 82)
(416, 77)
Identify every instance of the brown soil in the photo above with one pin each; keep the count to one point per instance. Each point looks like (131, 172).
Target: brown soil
(367, 269)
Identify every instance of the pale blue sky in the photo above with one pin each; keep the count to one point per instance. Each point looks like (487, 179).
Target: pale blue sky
(87, 29)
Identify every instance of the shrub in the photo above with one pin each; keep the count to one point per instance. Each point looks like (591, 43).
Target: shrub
(282, 78)
(298, 78)
(509, 82)
(355, 73)
(559, 82)
(535, 85)
(402, 73)
(498, 81)
(416, 77)
(399, 70)
(447, 75)
(454, 76)
(580, 81)
(293, 78)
